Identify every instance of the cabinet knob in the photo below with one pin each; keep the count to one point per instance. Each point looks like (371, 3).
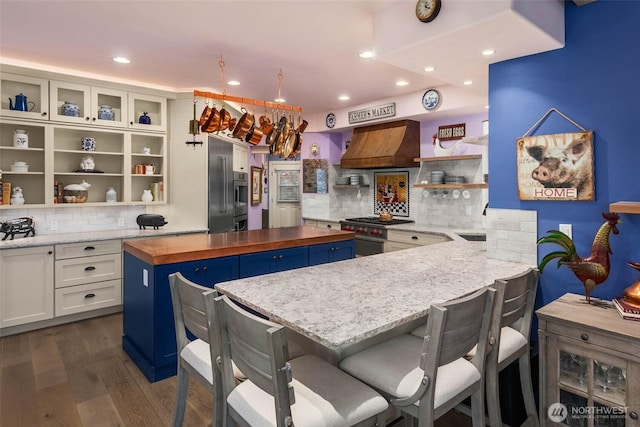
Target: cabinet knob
(205, 268)
(90, 295)
(50, 252)
(633, 415)
(275, 257)
(90, 268)
(130, 123)
(281, 257)
(87, 118)
(44, 113)
(584, 337)
(197, 270)
(328, 225)
(94, 119)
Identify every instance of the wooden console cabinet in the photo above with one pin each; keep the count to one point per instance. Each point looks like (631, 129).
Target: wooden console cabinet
(590, 363)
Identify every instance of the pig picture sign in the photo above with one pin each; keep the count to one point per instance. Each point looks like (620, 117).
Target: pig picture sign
(556, 167)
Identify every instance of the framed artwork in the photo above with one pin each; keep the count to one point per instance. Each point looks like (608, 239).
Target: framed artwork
(256, 185)
(314, 176)
(556, 167)
(392, 192)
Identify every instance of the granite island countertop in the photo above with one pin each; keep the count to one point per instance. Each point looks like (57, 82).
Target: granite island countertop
(342, 304)
(59, 238)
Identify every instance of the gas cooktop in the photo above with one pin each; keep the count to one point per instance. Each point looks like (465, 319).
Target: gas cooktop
(377, 221)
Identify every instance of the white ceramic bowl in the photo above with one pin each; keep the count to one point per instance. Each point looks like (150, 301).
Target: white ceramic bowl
(19, 168)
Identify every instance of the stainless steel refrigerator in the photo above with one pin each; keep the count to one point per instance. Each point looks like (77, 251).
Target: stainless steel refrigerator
(220, 186)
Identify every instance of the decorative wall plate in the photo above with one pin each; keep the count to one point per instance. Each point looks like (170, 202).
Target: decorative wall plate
(330, 120)
(431, 99)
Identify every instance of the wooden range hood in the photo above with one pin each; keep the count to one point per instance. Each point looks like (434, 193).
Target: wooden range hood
(385, 145)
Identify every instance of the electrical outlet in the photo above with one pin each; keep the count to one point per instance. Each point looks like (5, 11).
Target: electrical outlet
(566, 229)
(120, 222)
(53, 225)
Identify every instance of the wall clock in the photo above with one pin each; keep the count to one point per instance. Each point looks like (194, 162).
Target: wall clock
(431, 99)
(427, 10)
(330, 120)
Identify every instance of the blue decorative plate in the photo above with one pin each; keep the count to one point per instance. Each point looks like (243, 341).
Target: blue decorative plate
(431, 99)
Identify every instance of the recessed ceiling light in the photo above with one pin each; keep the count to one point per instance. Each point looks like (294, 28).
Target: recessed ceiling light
(366, 54)
(233, 83)
(488, 52)
(402, 83)
(280, 100)
(429, 69)
(121, 60)
(344, 97)
(468, 82)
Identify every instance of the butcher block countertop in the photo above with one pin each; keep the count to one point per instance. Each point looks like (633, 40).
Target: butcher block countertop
(168, 250)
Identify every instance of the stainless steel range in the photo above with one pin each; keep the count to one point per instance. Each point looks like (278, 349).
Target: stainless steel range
(371, 233)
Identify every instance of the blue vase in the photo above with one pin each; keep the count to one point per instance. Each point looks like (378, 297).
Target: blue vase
(144, 119)
(70, 108)
(105, 113)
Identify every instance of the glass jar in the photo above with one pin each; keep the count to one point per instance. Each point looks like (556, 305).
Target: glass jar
(112, 196)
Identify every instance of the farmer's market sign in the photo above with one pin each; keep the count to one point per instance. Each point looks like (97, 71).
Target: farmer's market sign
(372, 113)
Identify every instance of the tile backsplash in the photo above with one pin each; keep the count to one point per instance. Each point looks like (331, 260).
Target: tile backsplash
(512, 235)
(78, 219)
(425, 206)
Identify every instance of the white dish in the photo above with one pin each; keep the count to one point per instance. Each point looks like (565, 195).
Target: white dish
(455, 194)
(466, 194)
(20, 168)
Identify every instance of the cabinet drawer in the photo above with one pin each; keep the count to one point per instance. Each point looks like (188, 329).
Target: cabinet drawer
(88, 297)
(84, 249)
(589, 336)
(80, 271)
(415, 238)
(390, 246)
(328, 224)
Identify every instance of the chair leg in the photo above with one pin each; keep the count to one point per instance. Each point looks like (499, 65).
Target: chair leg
(181, 396)
(477, 408)
(493, 396)
(524, 364)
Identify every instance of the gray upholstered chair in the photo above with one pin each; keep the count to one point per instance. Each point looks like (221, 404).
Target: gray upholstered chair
(510, 328)
(194, 357)
(427, 377)
(305, 391)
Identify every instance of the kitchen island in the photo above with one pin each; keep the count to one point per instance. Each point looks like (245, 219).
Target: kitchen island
(207, 259)
(335, 310)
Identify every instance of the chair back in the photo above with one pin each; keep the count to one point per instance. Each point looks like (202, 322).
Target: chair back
(259, 349)
(454, 328)
(189, 310)
(515, 301)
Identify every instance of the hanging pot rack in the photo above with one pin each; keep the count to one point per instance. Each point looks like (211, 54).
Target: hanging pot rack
(247, 101)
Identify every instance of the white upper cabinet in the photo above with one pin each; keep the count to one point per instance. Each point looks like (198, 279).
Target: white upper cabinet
(147, 112)
(84, 104)
(24, 97)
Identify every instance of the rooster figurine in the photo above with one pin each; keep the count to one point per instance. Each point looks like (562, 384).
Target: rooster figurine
(590, 271)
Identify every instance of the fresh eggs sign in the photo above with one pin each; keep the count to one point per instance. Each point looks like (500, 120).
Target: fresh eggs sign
(556, 167)
(372, 113)
(452, 132)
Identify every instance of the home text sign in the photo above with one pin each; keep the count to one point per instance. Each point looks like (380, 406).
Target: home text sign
(372, 113)
(451, 132)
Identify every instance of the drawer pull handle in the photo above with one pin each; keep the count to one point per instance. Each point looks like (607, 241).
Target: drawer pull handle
(89, 248)
(275, 257)
(90, 268)
(281, 256)
(328, 225)
(90, 295)
(205, 268)
(414, 237)
(633, 415)
(197, 270)
(584, 337)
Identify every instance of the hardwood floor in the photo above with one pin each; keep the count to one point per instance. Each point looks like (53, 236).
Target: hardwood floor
(78, 375)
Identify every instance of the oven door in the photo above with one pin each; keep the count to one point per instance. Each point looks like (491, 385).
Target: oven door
(240, 197)
(368, 246)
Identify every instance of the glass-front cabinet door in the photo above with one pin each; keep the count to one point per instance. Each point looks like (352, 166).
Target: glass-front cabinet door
(592, 386)
(24, 97)
(84, 104)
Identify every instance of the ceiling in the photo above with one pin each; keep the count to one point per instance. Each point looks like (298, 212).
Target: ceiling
(177, 45)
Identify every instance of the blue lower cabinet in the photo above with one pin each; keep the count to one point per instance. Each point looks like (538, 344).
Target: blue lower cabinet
(267, 262)
(148, 327)
(331, 252)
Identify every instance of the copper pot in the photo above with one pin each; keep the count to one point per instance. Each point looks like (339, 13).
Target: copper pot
(232, 123)
(386, 216)
(265, 124)
(213, 121)
(225, 116)
(275, 138)
(244, 124)
(205, 115)
(255, 135)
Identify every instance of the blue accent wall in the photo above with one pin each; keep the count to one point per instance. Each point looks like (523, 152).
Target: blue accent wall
(595, 80)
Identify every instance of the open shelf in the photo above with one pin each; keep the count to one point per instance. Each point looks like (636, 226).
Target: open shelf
(445, 186)
(625, 207)
(443, 158)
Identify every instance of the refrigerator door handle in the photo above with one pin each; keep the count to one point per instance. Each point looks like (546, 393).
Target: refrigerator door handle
(223, 196)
